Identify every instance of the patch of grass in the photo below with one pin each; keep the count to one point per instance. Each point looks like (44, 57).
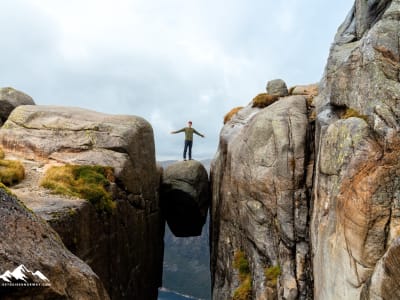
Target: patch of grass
(263, 100)
(352, 113)
(243, 292)
(86, 182)
(271, 275)
(11, 172)
(240, 263)
(230, 114)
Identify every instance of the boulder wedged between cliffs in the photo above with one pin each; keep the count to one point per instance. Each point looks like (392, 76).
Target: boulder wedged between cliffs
(185, 197)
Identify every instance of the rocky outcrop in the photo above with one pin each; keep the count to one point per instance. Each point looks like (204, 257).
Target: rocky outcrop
(260, 201)
(125, 247)
(266, 192)
(185, 197)
(355, 223)
(277, 87)
(11, 98)
(27, 240)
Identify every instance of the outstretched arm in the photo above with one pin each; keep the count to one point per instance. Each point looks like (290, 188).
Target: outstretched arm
(198, 133)
(180, 130)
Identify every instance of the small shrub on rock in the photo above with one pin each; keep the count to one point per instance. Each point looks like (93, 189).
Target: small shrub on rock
(263, 100)
(240, 263)
(11, 172)
(243, 292)
(86, 182)
(271, 275)
(230, 114)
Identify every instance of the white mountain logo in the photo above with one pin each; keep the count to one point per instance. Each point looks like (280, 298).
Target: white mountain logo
(22, 275)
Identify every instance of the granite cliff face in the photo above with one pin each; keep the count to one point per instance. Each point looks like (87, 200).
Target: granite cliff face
(260, 201)
(325, 218)
(124, 247)
(355, 222)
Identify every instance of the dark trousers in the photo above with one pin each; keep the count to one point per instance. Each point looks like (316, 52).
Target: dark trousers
(188, 144)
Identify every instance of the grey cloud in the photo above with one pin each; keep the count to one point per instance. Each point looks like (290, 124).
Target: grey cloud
(201, 65)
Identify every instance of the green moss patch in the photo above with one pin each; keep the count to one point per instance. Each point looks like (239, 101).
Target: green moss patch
(352, 113)
(8, 191)
(86, 182)
(240, 263)
(243, 292)
(271, 275)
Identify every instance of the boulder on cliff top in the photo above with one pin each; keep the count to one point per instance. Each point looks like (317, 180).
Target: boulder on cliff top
(277, 87)
(80, 136)
(185, 197)
(11, 98)
(27, 240)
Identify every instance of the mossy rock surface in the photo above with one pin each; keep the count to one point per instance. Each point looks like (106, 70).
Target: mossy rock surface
(241, 263)
(352, 113)
(263, 100)
(271, 275)
(86, 182)
(11, 172)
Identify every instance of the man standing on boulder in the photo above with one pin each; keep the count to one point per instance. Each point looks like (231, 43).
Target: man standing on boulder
(188, 138)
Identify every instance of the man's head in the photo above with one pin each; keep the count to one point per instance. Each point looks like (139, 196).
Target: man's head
(190, 123)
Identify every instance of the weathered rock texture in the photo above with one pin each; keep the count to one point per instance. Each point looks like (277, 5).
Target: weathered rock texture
(185, 197)
(260, 201)
(263, 173)
(26, 239)
(10, 99)
(356, 216)
(277, 87)
(124, 248)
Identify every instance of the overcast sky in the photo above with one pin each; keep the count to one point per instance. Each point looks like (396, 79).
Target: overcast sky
(168, 61)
